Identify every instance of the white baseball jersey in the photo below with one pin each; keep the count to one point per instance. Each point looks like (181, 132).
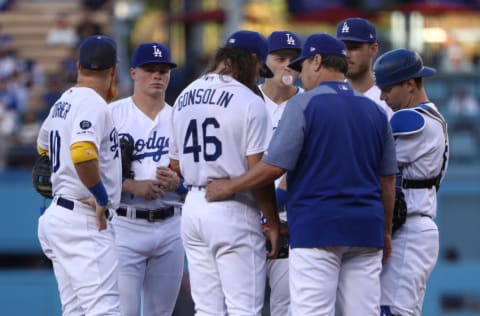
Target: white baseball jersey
(274, 109)
(151, 141)
(81, 115)
(374, 94)
(68, 233)
(421, 154)
(144, 248)
(216, 124)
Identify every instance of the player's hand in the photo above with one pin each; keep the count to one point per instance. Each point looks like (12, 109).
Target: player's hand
(101, 219)
(387, 248)
(217, 190)
(272, 232)
(146, 189)
(99, 212)
(168, 179)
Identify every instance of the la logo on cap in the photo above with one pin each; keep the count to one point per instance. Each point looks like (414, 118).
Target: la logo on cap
(290, 39)
(156, 51)
(345, 28)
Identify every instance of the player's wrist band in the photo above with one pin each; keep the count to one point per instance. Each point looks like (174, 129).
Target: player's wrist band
(281, 196)
(181, 188)
(100, 193)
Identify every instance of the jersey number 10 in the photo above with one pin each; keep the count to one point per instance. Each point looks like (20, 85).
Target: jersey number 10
(191, 144)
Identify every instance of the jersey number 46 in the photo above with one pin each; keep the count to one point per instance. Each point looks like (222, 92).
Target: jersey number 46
(211, 146)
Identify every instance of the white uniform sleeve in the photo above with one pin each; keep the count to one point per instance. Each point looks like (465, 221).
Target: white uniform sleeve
(259, 128)
(90, 124)
(172, 146)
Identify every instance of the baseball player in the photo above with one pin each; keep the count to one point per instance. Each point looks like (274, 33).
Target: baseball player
(360, 39)
(338, 149)
(220, 129)
(79, 137)
(147, 228)
(283, 47)
(421, 142)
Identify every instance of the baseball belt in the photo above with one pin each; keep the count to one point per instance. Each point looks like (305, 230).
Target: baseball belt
(70, 205)
(149, 215)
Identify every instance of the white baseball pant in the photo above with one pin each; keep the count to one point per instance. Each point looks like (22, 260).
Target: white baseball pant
(84, 259)
(226, 256)
(151, 258)
(343, 278)
(415, 249)
(277, 272)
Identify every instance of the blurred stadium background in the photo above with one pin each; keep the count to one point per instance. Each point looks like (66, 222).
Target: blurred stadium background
(33, 70)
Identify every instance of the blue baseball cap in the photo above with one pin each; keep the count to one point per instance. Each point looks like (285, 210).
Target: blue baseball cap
(283, 40)
(322, 44)
(356, 30)
(97, 52)
(252, 42)
(151, 53)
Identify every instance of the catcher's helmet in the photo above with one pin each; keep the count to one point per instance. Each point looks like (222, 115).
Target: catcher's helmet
(399, 65)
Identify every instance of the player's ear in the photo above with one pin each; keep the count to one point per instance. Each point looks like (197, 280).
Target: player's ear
(317, 61)
(373, 48)
(133, 72)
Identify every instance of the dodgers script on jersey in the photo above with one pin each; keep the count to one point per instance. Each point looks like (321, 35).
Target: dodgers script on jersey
(216, 124)
(77, 117)
(151, 143)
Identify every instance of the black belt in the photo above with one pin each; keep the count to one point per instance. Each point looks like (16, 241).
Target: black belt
(421, 184)
(149, 215)
(65, 203)
(419, 214)
(69, 205)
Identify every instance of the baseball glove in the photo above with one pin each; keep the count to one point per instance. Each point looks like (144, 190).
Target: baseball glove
(399, 212)
(41, 174)
(126, 149)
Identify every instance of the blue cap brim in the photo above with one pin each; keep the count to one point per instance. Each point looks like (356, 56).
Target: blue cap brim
(355, 39)
(296, 64)
(426, 72)
(155, 61)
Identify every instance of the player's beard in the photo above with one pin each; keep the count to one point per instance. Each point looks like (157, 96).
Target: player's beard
(359, 72)
(112, 92)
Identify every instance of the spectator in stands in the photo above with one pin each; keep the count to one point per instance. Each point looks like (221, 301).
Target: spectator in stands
(463, 103)
(55, 88)
(62, 34)
(69, 67)
(453, 57)
(87, 26)
(7, 54)
(28, 131)
(8, 117)
(6, 42)
(462, 112)
(32, 73)
(7, 50)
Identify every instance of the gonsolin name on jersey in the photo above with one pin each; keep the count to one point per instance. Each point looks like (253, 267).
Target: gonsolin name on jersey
(155, 146)
(204, 96)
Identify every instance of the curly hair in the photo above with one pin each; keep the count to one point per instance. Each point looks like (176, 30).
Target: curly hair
(239, 63)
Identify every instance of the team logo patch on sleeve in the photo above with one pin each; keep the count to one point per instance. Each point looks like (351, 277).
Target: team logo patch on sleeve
(85, 124)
